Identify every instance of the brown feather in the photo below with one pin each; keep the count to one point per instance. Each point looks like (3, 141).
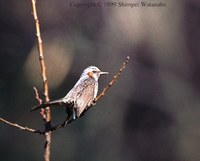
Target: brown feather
(85, 99)
(82, 95)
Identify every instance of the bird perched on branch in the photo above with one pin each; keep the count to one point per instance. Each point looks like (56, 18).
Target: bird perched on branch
(81, 96)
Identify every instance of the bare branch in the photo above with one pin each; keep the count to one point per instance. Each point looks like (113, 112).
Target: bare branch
(47, 111)
(21, 127)
(112, 81)
(41, 52)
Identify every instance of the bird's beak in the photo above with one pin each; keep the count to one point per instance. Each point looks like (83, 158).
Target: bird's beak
(103, 73)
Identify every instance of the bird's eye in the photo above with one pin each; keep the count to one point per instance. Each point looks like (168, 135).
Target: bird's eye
(94, 71)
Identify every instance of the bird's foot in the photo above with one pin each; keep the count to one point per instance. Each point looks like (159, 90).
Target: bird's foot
(93, 103)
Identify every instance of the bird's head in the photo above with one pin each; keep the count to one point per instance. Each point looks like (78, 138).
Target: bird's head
(92, 72)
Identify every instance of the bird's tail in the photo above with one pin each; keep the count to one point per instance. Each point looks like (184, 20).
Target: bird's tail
(54, 102)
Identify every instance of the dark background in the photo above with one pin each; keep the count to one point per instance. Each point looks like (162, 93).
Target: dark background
(150, 114)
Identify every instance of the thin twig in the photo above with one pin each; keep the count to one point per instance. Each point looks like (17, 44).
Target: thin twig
(112, 81)
(21, 127)
(45, 84)
(37, 97)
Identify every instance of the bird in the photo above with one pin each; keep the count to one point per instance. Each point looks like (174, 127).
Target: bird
(81, 96)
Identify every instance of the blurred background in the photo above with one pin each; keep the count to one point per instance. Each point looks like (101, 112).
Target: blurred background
(150, 114)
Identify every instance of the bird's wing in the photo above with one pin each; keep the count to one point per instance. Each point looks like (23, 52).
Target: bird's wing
(84, 96)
